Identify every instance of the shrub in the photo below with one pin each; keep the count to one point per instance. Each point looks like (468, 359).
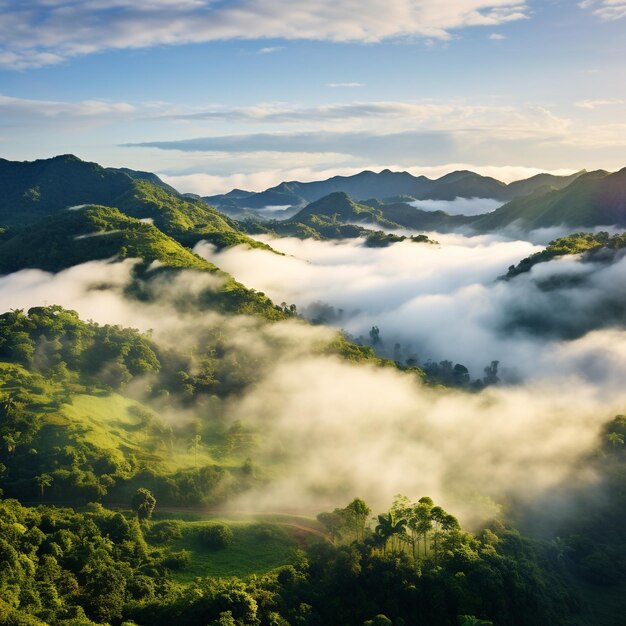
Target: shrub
(216, 536)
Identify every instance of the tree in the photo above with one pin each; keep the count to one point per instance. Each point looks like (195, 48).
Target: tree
(424, 520)
(143, 503)
(615, 438)
(194, 444)
(375, 335)
(333, 522)
(43, 481)
(491, 373)
(356, 514)
(438, 516)
(390, 526)
(10, 441)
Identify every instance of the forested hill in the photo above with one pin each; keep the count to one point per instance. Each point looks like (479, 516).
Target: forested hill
(335, 216)
(594, 246)
(31, 191)
(91, 233)
(594, 199)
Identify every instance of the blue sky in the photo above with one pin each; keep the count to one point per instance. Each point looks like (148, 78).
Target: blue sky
(214, 94)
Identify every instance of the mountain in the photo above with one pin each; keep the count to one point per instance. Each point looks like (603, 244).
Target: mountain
(388, 184)
(593, 199)
(30, 191)
(91, 233)
(340, 205)
(149, 176)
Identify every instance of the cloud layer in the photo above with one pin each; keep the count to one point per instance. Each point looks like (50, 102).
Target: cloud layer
(445, 302)
(40, 32)
(334, 430)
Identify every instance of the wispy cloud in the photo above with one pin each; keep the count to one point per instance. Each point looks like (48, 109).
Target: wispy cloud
(497, 37)
(344, 85)
(595, 104)
(26, 108)
(35, 33)
(271, 49)
(606, 9)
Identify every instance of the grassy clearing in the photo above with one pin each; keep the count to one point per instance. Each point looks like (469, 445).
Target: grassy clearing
(256, 548)
(106, 422)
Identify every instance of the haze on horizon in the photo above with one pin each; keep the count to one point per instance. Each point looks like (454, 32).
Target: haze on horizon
(248, 94)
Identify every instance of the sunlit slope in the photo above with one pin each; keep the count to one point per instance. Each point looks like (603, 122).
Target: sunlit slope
(594, 199)
(599, 246)
(91, 233)
(33, 190)
(71, 237)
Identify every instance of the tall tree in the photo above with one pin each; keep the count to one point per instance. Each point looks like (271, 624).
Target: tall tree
(43, 481)
(143, 503)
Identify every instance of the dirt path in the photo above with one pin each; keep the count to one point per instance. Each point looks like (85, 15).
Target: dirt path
(301, 531)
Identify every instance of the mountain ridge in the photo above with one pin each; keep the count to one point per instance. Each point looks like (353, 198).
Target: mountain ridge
(386, 184)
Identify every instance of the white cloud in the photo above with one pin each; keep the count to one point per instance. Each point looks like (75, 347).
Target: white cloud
(25, 108)
(271, 49)
(606, 9)
(40, 32)
(459, 206)
(595, 104)
(496, 37)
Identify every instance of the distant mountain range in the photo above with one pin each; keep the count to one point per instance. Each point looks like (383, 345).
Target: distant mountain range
(31, 192)
(389, 185)
(591, 199)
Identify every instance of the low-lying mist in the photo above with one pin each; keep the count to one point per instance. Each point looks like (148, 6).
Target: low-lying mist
(446, 302)
(459, 206)
(331, 430)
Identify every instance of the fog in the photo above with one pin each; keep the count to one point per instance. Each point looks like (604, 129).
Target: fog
(459, 206)
(443, 301)
(332, 430)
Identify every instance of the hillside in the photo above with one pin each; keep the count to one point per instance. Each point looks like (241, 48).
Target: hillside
(334, 217)
(594, 199)
(339, 205)
(91, 233)
(590, 245)
(388, 184)
(338, 216)
(30, 191)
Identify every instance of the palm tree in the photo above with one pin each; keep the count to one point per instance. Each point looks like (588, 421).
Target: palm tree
(615, 438)
(388, 527)
(42, 481)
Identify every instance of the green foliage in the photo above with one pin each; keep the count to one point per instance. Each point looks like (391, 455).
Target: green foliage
(592, 199)
(334, 217)
(143, 503)
(216, 536)
(92, 233)
(381, 239)
(578, 243)
(165, 531)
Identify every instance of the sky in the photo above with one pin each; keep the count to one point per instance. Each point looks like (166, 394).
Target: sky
(216, 94)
